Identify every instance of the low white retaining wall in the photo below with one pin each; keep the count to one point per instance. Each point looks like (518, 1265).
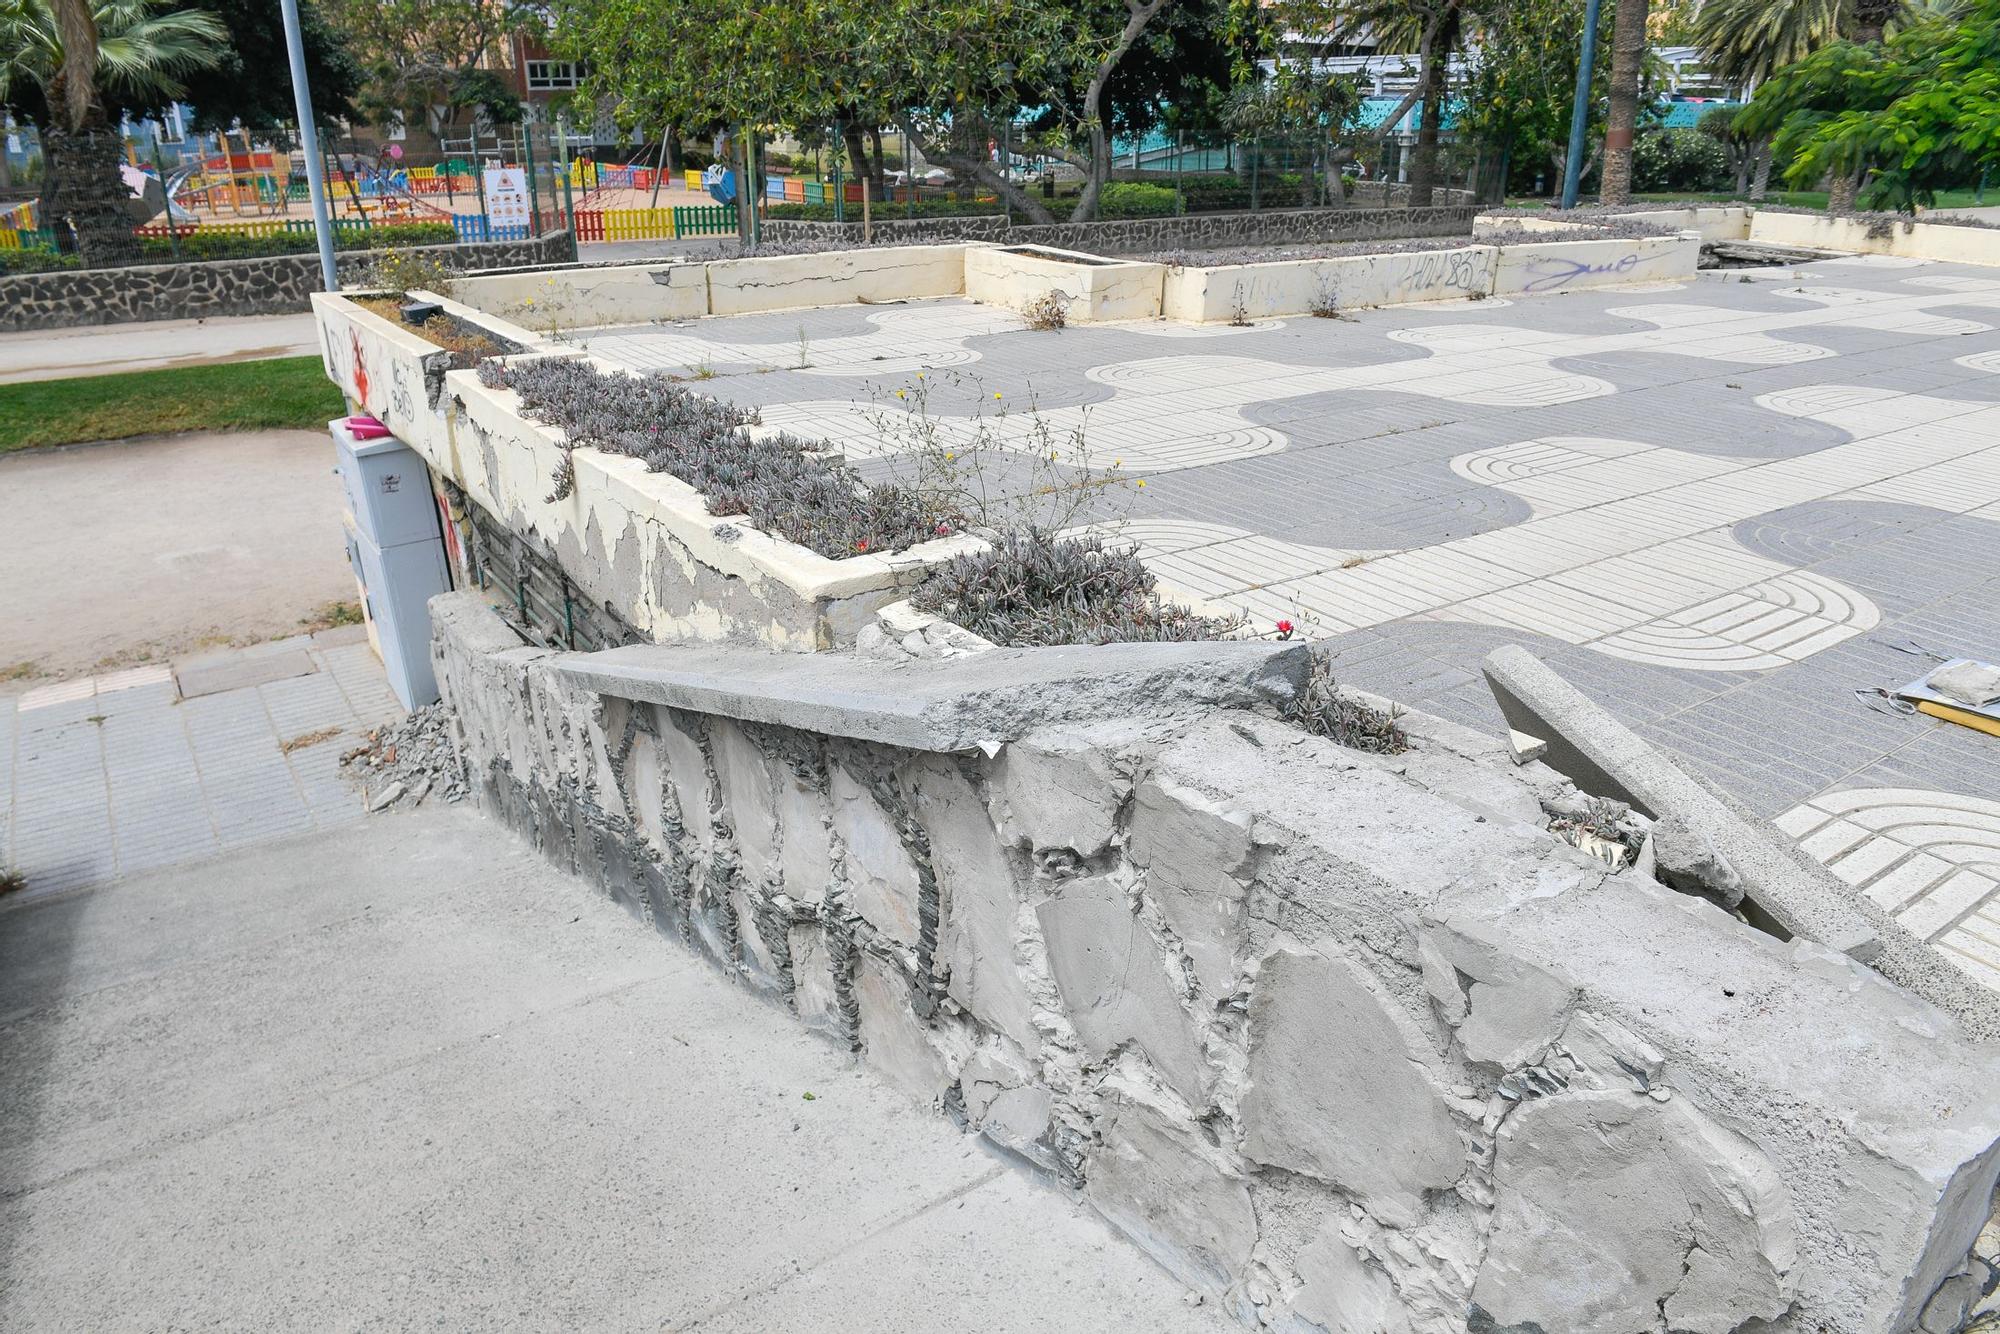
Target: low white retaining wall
(639, 543)
(834, 278)
(1295, 287)
(1350, 1043)
(1094, 289)
(1568, 266)
(1912, 240)
(585, 298)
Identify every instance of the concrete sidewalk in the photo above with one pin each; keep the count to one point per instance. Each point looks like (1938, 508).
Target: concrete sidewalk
(404, 1075)
(105, 349)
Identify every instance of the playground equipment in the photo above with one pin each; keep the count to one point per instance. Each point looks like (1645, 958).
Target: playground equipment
(720, 182)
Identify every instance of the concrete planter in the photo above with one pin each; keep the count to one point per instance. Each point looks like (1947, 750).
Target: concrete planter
(1540, 268)
(640, 543)
(834, 278)
(1096, 289)
(1910, 240)
(589, 298)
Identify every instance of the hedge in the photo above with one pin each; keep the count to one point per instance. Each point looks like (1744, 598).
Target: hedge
(228, 245)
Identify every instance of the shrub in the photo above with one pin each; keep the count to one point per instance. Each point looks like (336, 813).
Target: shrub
(201, 244)
(1048, 312)
(1134, 199)
(36, 261)
(1680, 161)
(1034, 589)
(779, 483)
(886, 211)
(1321, 709)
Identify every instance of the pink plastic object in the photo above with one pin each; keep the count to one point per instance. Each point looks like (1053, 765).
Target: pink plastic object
(366, 428)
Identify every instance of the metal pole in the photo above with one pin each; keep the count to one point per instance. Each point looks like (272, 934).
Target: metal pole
(1579, 115)
(309, 140)
(534, 194)
(173, 237)
(839, 190)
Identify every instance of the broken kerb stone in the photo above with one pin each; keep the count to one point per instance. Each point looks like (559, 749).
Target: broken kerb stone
(978, 702)
(1780, 885)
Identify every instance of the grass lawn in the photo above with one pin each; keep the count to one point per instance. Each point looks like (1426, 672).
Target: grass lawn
(239, 396)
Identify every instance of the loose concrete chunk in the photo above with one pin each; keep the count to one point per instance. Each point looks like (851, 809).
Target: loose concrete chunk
(1003, 1101)
(1340, 1088)
(1114, 982)
(1506, 1011)
(1614, 1210)
(893, 1039)
(1687, 859)
(1196, 854)
(1060, 790)
(1159, 1187)
(1524, 748)
(879, 869)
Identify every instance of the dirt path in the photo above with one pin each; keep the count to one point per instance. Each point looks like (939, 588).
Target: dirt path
(135, 551)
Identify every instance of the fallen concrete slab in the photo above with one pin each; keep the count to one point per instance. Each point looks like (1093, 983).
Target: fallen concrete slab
(1782, 890)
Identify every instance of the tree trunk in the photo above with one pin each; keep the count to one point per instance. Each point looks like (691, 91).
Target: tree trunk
(857, 156)
(1870, 17)
(980, 168)
(1138, 13)
(881, 176)
(1841, 190)
(1744, 157)
(1436, 62)
(1761, 181)
(1628, 54)
(84, 194)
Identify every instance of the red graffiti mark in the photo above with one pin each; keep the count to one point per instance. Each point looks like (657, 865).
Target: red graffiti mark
(360, 369)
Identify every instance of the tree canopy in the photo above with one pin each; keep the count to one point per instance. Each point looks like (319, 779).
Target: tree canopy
(1922, 110)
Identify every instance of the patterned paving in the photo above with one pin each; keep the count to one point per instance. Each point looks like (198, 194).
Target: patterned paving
(107, 775)
(1932, 859)
(1721, 507)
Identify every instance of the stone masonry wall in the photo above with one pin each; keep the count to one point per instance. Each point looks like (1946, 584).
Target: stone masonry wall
(272, 285)
(1349, 1043)
(1195, 231)
(1204, 231)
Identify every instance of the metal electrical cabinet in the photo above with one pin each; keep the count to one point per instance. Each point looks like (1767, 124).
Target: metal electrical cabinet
(397, 551)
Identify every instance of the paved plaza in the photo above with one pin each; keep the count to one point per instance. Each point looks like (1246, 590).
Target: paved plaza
(1720, 507)
(107, 776)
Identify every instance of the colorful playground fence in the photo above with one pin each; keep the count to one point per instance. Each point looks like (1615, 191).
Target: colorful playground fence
(651, 224)
(27, 238)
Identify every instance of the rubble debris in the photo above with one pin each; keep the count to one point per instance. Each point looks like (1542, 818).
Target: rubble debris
(404, 762)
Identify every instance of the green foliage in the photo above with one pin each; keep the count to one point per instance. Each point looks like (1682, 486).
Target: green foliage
(37, 261)
(252, 83)
(225, 245)
(405, 271)
(1134, 199)
(1680, 160)
(422, 57)
(1523, 83)
(1922, 110)
(143, 54)
(885, 212)
(285, 393)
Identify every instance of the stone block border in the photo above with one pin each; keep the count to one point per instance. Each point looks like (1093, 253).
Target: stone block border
(271, 285)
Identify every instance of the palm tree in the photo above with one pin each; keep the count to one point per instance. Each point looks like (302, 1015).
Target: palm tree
(58, 61)
(1628, 58)
(1434, 29)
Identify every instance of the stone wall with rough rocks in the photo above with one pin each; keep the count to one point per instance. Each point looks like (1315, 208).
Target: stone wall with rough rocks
(1348, 1042)
(1195, 231)
(887, 229)
(272, 285)
(1205, 231)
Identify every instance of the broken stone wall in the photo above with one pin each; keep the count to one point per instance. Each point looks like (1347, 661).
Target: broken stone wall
(1349, 1043)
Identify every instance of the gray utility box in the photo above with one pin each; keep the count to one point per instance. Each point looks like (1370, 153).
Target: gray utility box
(397, 551)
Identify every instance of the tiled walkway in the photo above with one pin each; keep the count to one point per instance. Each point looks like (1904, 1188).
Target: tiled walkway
(1720, 507)
(104, 776)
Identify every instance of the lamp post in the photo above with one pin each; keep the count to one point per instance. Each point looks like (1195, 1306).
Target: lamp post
(1579, 115)
(295, 47)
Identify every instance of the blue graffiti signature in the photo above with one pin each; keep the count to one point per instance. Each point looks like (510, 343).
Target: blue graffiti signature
(1553, 273)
